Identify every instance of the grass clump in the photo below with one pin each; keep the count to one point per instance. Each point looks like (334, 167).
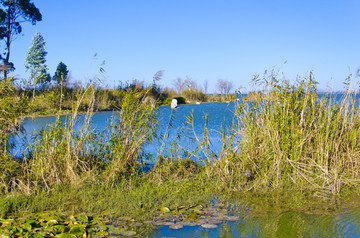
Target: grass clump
(294, 141)
(133, 127)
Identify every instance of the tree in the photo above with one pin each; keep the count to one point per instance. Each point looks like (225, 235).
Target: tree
(35, 61)
(12, 14)
(224, 86)
(179, 85)
(61, 73)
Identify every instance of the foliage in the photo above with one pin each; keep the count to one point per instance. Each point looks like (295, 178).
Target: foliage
(12, 13)
(61, 73)
(194, 95)
(11, 111)
(12, 108)
(35, 62)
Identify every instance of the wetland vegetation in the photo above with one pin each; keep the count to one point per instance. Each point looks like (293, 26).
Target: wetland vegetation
(290, 152)
(289, 160)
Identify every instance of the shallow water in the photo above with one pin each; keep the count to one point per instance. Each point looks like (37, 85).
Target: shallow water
(342, 223)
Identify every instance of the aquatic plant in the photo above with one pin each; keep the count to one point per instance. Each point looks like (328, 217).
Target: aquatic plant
(12, 108)
(295, 140)
(62, 155)
(133, 127)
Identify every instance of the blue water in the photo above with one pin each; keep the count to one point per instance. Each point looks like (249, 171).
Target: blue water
(219, 115)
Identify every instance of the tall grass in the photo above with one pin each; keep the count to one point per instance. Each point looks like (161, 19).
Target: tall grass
(12, 107)
(133, 127)
(63, 155)
(288, 139)
(295, 140)
(73, 152)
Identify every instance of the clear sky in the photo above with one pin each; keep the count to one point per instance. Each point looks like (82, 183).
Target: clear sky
(201, 39)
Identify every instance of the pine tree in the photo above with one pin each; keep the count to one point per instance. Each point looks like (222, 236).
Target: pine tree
(61, 73)
(35, 62)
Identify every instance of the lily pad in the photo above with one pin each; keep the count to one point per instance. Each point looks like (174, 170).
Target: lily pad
(176, 226)
(83, 218)
(214, 221)
(162, 223)
(209, 226)
(129, 233)
(231, 218)
(77, 230)
(187, 223)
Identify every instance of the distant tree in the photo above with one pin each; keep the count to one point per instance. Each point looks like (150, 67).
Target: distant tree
(12, 14)
(35, 62)
(61, 74)
(179, 86)
(224, 86)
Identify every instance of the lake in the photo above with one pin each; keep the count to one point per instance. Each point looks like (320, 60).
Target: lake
(342, 221)
(218, 114)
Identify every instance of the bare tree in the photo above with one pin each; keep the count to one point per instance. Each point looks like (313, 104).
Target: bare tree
(190, 84)
(179, 86)
(205, 86)
(224, 86)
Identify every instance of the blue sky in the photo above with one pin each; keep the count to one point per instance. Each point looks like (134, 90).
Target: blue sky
(202, 40)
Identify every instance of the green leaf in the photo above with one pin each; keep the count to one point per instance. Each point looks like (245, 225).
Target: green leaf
(77, 230)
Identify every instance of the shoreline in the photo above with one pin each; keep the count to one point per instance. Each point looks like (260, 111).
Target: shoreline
(65, 113)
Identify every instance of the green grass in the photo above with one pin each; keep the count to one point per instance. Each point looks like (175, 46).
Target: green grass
(139, 198)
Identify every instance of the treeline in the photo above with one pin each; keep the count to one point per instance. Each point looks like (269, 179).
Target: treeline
(58, 94)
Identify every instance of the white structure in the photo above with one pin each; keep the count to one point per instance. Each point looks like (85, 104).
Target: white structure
(174, 103)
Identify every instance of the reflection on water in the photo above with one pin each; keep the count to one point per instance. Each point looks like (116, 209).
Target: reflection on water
(344, 223)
